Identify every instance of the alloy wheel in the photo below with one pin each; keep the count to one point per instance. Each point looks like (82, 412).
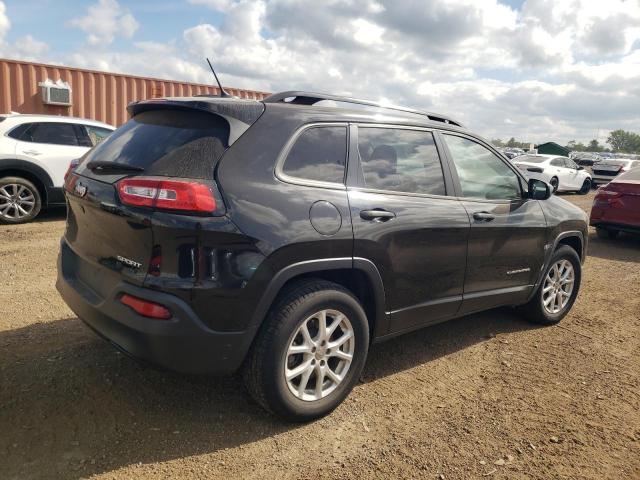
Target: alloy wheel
(16, 201)
(558, 287)
(319, 355)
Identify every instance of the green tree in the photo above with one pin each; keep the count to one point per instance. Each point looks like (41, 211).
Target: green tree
(594, 146)
(497, 142)
(623, 141)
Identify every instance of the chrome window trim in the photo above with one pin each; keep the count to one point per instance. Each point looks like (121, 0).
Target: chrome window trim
(284, 153)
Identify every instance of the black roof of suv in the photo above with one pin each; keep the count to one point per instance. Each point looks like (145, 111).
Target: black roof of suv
(284, 236)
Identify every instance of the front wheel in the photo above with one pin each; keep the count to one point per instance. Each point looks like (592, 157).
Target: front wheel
(554, 184)
(558, 290)
(310, 351)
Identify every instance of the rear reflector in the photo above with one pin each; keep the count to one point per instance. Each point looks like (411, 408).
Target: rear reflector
(145, 308)
(183, 195)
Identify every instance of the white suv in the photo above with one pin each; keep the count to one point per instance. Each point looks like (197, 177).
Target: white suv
(35, 154)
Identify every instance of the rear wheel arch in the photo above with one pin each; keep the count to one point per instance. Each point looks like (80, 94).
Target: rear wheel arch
(360, 276)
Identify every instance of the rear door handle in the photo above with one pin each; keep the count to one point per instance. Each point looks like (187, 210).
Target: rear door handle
(483, 216)
(31, 152)
(377, 215)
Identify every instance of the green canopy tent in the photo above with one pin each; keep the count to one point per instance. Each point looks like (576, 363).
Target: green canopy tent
(552, 148)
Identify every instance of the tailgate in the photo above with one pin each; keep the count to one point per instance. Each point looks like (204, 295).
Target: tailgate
(111, 242)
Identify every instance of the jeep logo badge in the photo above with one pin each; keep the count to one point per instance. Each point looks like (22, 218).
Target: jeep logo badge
(80, 190)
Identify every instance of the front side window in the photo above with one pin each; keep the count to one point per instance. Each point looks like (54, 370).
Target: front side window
(319, 154)
(482, 174)
(400, 160)
(52, 133)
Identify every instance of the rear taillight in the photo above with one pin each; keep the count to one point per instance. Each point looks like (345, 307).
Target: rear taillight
(72, 167)
(146, 308)
(183, 195)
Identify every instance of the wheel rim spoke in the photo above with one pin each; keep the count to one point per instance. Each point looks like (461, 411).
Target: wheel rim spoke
(319, 355)
(558, 286)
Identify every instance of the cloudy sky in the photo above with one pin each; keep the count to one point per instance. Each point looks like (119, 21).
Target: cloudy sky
(534, 69)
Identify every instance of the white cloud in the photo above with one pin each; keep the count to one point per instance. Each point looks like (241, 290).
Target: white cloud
(25, 48)
(551, 70)
(5, 24)
(104, 21)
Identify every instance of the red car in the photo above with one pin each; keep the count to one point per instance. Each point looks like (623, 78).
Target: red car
(616, 207)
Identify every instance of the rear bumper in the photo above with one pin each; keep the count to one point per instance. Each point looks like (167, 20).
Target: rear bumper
(182, 343)
(623, 227)
(602, 178)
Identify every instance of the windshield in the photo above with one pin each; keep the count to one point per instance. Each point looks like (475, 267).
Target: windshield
(530, 159)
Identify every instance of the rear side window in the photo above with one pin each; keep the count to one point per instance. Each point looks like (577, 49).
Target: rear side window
(319, 154)
(557, 162)
(171, 143)
(48, 132)
(97, 134)
(632, 175)
(400, 160)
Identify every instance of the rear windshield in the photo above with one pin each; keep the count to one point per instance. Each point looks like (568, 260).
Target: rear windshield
(172, 143)
(530, 159)
(631, 175)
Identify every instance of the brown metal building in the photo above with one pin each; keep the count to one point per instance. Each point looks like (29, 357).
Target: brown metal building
(96, 95)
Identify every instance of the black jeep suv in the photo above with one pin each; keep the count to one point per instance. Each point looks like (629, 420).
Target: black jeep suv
(282, 237)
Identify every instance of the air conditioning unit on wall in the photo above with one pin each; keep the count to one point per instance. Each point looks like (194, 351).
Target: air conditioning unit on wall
(56, 93)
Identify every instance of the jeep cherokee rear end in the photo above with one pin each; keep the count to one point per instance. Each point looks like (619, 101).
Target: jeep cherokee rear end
(149, 259)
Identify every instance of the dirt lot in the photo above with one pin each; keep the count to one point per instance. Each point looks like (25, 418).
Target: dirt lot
(486, 396)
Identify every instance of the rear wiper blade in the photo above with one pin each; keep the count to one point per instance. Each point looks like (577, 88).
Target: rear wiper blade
(105, 165)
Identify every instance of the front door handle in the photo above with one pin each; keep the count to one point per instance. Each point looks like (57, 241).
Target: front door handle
(377, 215)
(483, 216)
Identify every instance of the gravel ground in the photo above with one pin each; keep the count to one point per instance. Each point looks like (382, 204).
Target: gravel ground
(485, 396)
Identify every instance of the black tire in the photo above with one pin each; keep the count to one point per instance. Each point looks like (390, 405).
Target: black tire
(606, 234)
(29, 200)
(554, 184)
(534, 310)
(586, 187)
(264, 369)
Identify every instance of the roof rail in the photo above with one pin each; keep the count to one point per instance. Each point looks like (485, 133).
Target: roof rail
(310, 98)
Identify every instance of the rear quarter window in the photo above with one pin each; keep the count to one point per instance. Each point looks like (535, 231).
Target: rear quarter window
(319, 154)
(171, 143)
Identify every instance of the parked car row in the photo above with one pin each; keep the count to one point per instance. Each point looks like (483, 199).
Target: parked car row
(35, 153)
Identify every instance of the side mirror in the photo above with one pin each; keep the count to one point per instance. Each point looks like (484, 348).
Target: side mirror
(580, 168)
(538, 189)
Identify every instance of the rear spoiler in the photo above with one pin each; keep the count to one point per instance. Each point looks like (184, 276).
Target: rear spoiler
(239, 113)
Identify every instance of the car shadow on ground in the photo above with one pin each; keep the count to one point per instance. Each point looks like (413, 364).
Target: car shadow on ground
(72, 406)
(624, 248)
(53, 214)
